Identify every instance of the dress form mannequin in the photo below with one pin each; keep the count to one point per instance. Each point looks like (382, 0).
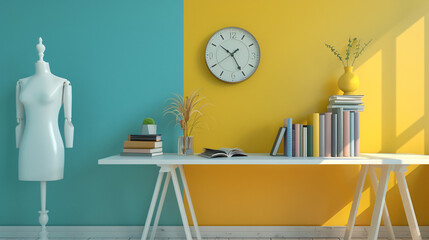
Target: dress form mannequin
(41, 148)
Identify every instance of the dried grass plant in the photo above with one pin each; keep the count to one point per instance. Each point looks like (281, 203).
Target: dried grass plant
(187, 111)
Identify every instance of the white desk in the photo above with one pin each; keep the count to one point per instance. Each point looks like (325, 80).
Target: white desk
(387, 162)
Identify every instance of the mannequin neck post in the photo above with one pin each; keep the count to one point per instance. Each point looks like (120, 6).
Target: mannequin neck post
(42, 67)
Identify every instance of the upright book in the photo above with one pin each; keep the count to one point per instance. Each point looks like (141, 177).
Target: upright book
(297, 139)
(334, 136)
(315, 121)
(346, 137)
(328, 125)
(304, 141)
(357, 134)
(309, 140)
(322, 135)
(352, 134)
(288, 138)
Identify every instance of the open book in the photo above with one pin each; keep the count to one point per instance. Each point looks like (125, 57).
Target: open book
(222, 152)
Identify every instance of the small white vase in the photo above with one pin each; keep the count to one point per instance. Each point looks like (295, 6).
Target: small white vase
(148, 129)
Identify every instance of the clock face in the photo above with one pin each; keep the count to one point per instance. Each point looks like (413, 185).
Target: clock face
(232, 54)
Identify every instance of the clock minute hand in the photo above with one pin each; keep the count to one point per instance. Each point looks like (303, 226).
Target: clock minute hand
(225, 49)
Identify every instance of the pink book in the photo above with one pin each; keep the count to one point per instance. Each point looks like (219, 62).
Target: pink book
(297, 140)
(346, 132)
(328, 133)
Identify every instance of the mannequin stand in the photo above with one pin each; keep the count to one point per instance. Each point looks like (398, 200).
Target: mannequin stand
(43, 218)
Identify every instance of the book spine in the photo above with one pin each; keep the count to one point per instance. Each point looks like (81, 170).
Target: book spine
(142, 144)
(293, 140)
(357, 134)
(352, 134)
(277, 141)
(315, 121)
(297, 139)
(334, 150)
(301, 141)
(289, 138)
(328, 140)
(310, 140)
(304, 141)
(322, 135)
(346, 137)
(340, 132)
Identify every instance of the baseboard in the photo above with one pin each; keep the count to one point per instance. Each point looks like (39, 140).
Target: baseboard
(134, 232)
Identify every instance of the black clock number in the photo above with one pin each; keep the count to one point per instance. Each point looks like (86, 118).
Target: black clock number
(253, 55)
(210, 55)
(233, 35)
(232, 75)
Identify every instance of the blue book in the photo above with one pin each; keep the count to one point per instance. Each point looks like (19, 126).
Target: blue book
(352, 134)
(288, 148)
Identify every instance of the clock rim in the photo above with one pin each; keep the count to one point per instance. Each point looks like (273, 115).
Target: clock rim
(256, 67)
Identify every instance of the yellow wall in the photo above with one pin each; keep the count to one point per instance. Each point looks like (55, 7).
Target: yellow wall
(295, 77)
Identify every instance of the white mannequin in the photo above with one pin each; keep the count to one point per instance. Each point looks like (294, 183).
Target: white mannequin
(41, 149)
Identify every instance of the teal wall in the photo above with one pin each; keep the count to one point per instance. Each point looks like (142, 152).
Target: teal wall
(124, 59)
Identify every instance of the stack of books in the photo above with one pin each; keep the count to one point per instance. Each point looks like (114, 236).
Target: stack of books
(297, 140)
(335, 133)
(143, 145)
(346, 110)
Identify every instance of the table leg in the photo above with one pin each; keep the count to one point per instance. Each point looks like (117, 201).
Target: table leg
(355, 204)
(181, 205)
(386, 216)
(379, 202)
(160, 205)
(408, 205)
(152, 205)
(191, 206)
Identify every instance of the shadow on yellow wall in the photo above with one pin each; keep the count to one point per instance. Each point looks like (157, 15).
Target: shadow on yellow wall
(295, 78)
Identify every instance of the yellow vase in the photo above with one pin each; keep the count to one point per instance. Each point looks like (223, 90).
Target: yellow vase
(348, 82)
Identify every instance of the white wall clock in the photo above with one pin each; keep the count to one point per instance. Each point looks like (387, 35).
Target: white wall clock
(232, 54)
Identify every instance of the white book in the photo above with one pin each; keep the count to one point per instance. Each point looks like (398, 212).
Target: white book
(304, 142)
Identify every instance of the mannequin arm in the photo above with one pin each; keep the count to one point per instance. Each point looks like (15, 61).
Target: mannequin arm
(19, 130)
(68, 126)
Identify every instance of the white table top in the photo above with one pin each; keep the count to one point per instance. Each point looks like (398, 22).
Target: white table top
(266, 159)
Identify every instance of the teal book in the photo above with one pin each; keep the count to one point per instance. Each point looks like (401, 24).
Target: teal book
(352, 134)
(309, 140)
(322, 135)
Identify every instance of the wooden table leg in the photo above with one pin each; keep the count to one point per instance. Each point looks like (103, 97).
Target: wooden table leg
(408, 205)
(386, 216)
(152, 205)
(355, 204)
(191, 206)
(379, 202)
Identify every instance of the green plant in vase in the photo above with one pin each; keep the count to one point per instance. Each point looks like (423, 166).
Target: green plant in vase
(349, 82)
(187, 113)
